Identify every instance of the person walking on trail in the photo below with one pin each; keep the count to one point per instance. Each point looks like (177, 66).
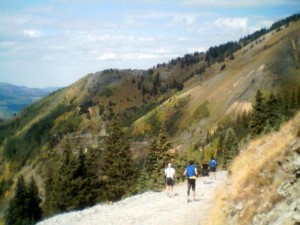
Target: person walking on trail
(213, 167)
(205, 174)
(169, 174)
(191, 173)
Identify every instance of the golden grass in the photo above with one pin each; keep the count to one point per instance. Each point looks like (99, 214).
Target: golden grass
(254, 177)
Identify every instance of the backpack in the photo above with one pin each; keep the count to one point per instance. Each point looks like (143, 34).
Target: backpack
(190, 171)
(213, 163)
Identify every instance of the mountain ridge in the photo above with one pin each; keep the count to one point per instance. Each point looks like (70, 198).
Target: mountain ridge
(194, 96)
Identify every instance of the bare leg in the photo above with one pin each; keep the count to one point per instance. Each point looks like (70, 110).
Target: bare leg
(188, 190)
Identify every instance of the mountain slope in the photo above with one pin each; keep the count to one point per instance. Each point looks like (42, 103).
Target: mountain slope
(266, 64)
(149, 208)
(263, 185)
(192, 95)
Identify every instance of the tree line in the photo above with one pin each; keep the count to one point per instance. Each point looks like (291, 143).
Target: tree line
(269, 112)
(77, 181)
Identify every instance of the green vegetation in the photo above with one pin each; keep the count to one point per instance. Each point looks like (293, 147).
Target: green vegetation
(202, 111)
(118, 168)
(44, 132)
(107, 92)
(151, 177)
(74, 183)
(24, 207)
(80, 167)
(268, 114)
(5, 185)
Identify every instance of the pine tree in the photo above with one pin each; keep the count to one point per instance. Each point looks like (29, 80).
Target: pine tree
(230, 146)
(258, 119)
(34, 201)
(273, 112)
(49, 207)
(24, 207)
(16, 213)
(298, 98)
(94, 184)
(146, 179)
(294, 101)
(62, 195)
(118, 166)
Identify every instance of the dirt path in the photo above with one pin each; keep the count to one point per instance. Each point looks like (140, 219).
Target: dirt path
(149, 208)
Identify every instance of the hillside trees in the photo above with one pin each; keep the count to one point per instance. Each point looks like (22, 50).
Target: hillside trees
(152, 175)
(259, 116)
(118, 168)
(47, 131)
(75, 184)
(230, 146)
(24, 207)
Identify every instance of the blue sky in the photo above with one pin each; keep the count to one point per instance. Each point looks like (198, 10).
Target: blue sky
(56, 42)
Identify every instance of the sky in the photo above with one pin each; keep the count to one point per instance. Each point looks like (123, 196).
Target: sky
(53, 43)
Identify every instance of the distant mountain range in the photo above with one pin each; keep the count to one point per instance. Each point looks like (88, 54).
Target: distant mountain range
(14, 98)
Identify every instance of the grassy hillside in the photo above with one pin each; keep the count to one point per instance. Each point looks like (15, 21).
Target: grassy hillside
(268, 64)
(263, 186)
(193, 96)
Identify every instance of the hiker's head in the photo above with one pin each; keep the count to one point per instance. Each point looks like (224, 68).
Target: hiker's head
(169, 164)
(191, 162)
(213, 158)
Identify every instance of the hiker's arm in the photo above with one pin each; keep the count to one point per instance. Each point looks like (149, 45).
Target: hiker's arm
(196, 171)
(184, 173)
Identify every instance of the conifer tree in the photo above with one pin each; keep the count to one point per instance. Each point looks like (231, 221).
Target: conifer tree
(34, 201)
(62, 183)
(118, 166)
(298, 98)
(273, 114)
(16, 213)
(145, 181)
(258, 119)
(49, 207)
(24, 207)
(230, 146)
(93, 177)
(294, 101)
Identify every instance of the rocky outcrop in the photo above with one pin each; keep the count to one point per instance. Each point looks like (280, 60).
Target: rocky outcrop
(287, 210)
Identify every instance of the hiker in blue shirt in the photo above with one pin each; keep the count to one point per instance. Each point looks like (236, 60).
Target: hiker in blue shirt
(191, 173)
(213, 167)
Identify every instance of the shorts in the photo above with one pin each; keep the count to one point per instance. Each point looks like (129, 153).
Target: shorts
(213, 169)
(170, 181)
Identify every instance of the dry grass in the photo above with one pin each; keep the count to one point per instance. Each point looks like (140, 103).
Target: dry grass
(254, 178)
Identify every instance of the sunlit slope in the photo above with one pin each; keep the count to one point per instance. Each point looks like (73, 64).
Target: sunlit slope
(268, 63)
(263, 186)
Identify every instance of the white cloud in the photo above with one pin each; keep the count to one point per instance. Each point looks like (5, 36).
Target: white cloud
(146, 56)
(232, 23)
(181, 19)
(32, 33)
(107, 56)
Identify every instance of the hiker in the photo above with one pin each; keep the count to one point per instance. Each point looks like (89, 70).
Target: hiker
(213, 167)
(205, 171)
(169, 174)
(191, 173)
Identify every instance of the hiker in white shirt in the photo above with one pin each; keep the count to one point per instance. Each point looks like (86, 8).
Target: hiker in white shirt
(169, 174)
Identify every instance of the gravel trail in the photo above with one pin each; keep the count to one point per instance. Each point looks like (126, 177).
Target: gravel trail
(150, 208)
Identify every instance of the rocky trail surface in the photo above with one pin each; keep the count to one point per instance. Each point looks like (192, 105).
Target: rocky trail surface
(150, 208)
